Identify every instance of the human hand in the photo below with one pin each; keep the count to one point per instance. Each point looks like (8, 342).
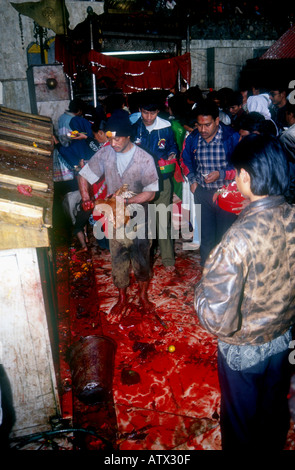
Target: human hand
(87, 205)
(75, 135)
(215, 196)
(211, 177)
(193, 187)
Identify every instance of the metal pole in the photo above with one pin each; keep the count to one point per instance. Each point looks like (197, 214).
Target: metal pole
(94, 91)
(188, 38)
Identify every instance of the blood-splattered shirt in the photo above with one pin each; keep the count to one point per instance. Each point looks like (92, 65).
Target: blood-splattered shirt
(140, 173)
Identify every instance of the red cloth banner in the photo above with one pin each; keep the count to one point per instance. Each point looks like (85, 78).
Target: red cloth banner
(133, 76)
(130, 76)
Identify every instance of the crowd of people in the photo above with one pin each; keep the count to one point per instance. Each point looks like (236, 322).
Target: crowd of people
(145, 151)
(174, 117)
(191, 136)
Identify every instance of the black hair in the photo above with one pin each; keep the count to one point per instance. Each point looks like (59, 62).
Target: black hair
(179, 106)
(268, 127)
(76, 105)
(266, 162)
(256, 122)
(151, 100)
(224, 94)
(206, 107)
(113, 102)
(194, 94)
(251, 121)
(98, 125)
(235, 99)
(280, 88)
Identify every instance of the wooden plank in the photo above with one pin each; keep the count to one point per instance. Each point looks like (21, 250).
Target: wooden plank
(13, 236)
(38, 199)
(10, 121)
(14, 112)
(26, 148)
(38, 137)
(19, 140)
(9, 156)
(14, 180)
(20, 213)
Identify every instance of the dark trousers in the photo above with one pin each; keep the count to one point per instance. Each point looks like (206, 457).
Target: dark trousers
(125, 252)
(254, 406)
(214, 221)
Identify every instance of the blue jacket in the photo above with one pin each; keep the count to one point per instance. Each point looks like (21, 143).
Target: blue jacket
(80, 149)
(160, 142)
(230, 140)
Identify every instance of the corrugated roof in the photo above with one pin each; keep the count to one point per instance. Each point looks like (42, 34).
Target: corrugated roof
(283, 48)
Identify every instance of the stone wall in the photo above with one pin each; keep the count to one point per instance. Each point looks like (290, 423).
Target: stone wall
(15, 39)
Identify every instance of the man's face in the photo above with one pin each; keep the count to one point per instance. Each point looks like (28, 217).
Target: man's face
(289, 118)
(100, 136)
(240, 182)
(120, 144)
(149, 117)
(234, 109)
(207, 127)
(276, 97)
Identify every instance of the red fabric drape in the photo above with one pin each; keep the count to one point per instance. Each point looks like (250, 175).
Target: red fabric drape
(132, 76)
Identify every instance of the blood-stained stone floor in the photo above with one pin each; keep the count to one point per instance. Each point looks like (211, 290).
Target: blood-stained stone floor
(160, 400)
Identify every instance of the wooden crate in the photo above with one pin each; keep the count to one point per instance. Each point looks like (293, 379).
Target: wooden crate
(26, 324)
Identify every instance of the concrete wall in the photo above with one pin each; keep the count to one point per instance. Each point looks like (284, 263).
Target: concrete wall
(223, 59)
(215, 63)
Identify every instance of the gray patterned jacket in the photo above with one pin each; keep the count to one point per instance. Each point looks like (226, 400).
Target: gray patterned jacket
(247, 292)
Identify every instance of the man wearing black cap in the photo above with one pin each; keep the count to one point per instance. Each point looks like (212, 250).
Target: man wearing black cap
(155, 135)
(123, 163)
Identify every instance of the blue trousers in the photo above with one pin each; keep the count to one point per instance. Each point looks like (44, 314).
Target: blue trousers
(214, 221)
(254, 405)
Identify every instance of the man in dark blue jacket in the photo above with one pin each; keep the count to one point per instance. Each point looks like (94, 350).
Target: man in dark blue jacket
(207, 155)
(154, 135)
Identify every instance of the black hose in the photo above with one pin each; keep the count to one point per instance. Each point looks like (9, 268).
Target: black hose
(25, 440)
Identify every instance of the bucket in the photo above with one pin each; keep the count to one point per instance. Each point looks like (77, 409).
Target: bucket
(91, 362)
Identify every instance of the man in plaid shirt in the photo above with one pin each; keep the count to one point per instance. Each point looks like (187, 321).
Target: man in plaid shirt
(207, 155)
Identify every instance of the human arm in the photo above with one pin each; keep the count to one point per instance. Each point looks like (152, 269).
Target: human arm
(231, 140)
(172, 145)
(84, 188)
(188, 159)
(79, 136)
(223, 174)
(219, 294)
(193, 187)
(145, 196)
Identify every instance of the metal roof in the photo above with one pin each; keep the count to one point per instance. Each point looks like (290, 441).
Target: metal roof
(283, 48)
